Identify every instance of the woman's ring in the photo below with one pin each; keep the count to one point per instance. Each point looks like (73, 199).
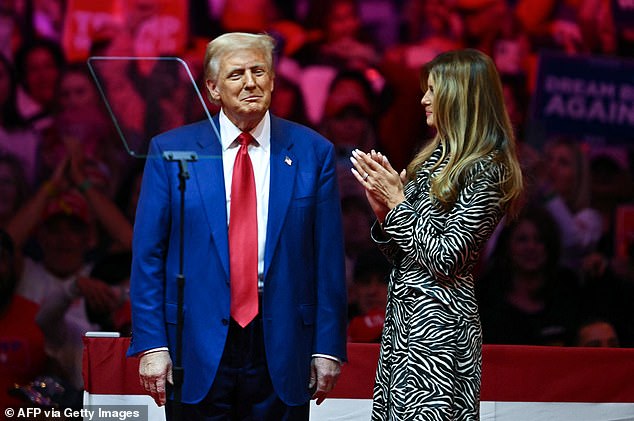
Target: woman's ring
(365, 177)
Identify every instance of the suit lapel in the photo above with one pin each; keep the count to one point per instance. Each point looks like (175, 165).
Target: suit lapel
(210, 181)
(283, 169)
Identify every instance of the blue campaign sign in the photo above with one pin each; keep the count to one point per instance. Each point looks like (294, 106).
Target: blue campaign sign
(585, 96)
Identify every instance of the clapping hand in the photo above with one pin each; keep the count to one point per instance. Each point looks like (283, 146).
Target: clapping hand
(383, 184)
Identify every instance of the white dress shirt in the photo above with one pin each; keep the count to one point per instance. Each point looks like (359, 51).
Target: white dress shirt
(260, 155)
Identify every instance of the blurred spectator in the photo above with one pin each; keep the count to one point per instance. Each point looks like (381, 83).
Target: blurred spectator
(66, 242)
(21, 341)
(113, 229)
(13, 188)
(39, 64)
(595, 332)
(332, 42)
(380, 19)
(146, 85)
(511, 50)
(565, 192)
(573, 26)
(369, 293)
(532, 165)
(430, 28)
(482, 20)
(64, 239)
(608, 295)
(350, 113)
(426, 21)
(517, 101)
(210, 18)
(608, 287)
(597, 26)
(148, 96)
(525, 296)
(288, 101)
(15, 25)
(112, 316)
(342, 45)
(105, 299)
(551, 23)
(16, 136)
(81, 122)
(349, 122)
(610, 186)
(77, 90)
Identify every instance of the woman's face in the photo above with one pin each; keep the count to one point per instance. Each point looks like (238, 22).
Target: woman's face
(428, 102)
(526, 248)
(561, 169)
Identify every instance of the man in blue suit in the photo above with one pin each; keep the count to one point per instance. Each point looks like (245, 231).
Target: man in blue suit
(267, 363)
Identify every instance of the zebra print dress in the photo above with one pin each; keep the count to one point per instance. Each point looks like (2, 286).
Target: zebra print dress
(430, 361)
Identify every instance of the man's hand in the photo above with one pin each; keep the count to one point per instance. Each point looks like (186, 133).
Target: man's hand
(324, 373)
(154, 369)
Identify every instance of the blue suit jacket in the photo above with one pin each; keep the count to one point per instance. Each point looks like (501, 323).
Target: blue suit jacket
(304, 297)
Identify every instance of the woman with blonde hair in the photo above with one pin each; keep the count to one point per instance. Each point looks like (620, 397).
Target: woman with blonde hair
(433, 220)
(565, 193)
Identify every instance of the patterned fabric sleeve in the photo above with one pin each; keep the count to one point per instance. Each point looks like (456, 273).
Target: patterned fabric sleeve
(384, 242)
(444, 242)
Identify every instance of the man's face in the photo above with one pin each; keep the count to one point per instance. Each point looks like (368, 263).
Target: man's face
(244, 87)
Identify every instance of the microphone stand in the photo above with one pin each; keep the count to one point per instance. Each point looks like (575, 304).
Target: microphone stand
(182, 157)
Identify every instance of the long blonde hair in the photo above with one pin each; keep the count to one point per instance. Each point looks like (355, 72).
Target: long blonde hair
(471, 122)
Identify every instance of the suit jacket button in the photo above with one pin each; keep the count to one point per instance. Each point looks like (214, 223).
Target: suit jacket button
(225, 322)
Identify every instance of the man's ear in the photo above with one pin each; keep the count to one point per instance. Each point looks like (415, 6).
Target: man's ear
(212, 87)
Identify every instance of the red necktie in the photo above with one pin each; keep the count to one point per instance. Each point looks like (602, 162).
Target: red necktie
(243, 237)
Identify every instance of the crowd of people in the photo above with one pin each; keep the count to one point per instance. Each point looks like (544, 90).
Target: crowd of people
(350, 70)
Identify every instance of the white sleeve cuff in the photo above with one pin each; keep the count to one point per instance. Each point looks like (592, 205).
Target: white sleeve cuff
(328, 357)
(153, 350)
